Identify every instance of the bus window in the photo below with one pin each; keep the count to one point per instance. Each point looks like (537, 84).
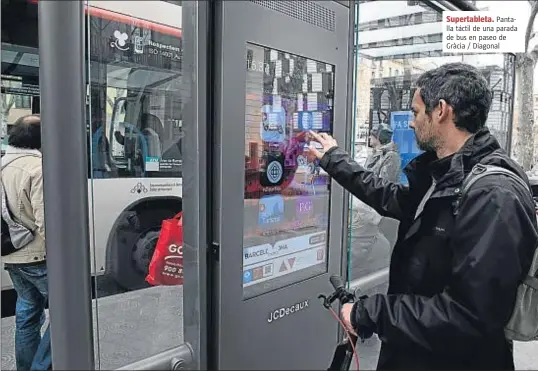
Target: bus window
(20, 86)
(135, 104)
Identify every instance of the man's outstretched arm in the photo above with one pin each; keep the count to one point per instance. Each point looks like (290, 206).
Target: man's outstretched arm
(387, 198)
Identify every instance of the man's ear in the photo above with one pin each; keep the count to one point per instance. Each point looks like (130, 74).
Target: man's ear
(445, 110)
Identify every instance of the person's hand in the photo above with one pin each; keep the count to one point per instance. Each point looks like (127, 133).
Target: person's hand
(345, 313)
(326, 141)
(365, 330)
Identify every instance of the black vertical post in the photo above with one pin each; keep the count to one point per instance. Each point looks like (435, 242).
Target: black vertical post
(61, 53)
(350, 124)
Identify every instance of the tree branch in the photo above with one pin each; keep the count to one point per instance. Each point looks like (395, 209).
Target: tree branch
(530, 24)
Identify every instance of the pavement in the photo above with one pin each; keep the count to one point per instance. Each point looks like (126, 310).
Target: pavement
(135, 325)
(525, 355)
(131, 326)
(128, 327)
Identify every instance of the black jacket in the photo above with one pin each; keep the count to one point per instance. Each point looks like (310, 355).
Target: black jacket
(453, 279)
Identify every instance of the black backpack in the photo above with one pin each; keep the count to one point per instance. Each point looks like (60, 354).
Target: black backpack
(7, 246)
(523, 324)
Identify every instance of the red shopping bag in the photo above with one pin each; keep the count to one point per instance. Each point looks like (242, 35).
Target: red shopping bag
(166, 266)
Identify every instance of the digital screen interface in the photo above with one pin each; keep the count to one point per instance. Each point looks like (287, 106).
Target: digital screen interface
(286, 208)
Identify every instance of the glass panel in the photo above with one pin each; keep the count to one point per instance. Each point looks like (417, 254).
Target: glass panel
(286, 192)
(410, 43)
(20, 97)
(136, 95)
(136, 103)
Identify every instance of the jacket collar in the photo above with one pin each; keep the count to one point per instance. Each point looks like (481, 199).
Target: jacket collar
(15, 151)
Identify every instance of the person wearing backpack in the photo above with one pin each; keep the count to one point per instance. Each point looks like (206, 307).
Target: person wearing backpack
(22, 188)
(460, 274)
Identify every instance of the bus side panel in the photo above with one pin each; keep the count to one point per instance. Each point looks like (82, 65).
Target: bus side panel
(112, 197)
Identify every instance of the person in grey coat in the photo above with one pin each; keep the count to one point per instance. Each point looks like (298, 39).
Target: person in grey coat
(370, 249)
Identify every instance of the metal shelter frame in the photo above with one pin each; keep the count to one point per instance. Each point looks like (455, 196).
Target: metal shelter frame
(62, 62)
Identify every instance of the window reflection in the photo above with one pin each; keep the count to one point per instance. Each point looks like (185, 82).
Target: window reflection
(136, 106)
(398, 41)
(135, 102)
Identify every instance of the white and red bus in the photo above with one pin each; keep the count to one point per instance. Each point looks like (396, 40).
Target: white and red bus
(134, 120)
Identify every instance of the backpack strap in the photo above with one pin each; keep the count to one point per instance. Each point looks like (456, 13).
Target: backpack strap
(478, 172)
(5, 163)
(6, 213)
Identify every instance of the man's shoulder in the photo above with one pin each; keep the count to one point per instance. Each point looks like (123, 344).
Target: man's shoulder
(500, 158)
(500, 188)
(31, 165)
(499, 169)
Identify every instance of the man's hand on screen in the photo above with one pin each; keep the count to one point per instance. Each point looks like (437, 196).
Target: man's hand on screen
(325, 140)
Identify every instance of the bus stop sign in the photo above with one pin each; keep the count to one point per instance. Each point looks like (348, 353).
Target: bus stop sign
(404, 137)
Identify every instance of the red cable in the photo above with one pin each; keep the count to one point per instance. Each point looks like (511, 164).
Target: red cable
(348, 336)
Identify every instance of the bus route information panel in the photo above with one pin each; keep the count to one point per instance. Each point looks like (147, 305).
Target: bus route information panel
(287, 194)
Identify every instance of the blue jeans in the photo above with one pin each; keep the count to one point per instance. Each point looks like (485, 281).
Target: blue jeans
(32, 352)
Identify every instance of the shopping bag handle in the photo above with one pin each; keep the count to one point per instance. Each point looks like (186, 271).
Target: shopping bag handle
(178, 215)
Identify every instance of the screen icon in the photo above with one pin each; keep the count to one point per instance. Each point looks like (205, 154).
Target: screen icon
(247, 276)
(272, 173)
(257, 273)
(273, 124)
(271, 210)
(305, 120)
(291, 261)
(304, 207)
(268, 270)
(317, 239)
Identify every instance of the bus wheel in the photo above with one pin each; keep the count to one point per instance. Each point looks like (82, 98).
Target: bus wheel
(143, 250)
(133, 242)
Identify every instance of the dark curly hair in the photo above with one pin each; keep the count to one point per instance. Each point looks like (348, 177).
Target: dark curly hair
(464, 88)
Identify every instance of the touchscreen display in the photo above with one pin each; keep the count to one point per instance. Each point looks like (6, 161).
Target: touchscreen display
(286, 208)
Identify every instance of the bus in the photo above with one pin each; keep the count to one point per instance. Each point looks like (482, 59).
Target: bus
(134, 103)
